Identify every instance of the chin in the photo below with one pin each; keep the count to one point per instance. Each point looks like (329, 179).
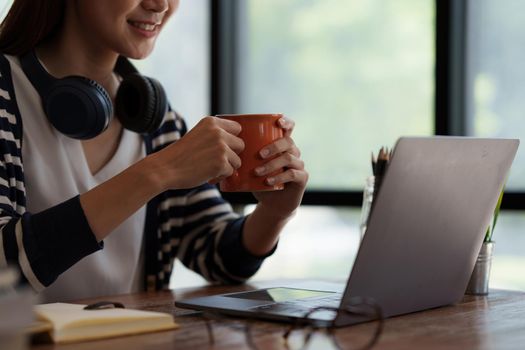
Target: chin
(137, 54)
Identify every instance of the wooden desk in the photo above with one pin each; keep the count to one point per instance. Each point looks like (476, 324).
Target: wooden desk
(493, 322)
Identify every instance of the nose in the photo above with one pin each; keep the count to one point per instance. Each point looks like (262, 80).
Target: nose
(159, 6)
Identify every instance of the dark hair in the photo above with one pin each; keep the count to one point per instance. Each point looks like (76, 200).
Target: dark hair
(28, 23)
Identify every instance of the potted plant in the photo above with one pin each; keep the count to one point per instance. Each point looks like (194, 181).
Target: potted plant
(479, 280)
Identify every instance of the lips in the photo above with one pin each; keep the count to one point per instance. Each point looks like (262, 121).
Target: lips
(147, 26)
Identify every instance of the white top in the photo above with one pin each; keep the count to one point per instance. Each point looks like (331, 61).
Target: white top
(56, 170)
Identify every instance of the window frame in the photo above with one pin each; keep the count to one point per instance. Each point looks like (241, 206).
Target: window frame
(449, 79)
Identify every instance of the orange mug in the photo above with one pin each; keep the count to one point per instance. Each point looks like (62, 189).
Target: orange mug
(258, 131)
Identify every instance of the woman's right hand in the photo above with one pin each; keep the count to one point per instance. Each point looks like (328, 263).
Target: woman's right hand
(207, 153)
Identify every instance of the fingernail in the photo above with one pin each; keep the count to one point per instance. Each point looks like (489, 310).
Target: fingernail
(270, 181)
(259, 170)
(265, 152)
(282, 121)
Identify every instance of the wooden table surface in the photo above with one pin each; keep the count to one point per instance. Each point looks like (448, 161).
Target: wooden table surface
(496, 321)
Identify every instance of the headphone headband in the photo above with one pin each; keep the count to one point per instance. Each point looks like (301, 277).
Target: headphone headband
(81, 108)
(36, 73)
(124, 67)
(40, 77)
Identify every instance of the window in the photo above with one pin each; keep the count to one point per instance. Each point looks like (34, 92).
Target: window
(509, 255)
(495, 76)
(495, 86)
(320, 243)
(355, 75)
(181, 60)
(5, 8)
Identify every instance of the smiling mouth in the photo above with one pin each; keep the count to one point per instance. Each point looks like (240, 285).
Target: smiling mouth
(144, 26)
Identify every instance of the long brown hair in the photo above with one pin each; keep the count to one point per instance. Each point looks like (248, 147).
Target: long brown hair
(28, 23)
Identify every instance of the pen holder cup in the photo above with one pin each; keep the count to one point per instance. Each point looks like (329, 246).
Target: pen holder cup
(366, 207)
(479, 280)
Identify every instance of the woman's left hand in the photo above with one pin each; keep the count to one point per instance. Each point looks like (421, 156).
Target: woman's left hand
(282, 204)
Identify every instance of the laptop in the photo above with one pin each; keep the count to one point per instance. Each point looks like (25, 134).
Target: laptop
(427, 226)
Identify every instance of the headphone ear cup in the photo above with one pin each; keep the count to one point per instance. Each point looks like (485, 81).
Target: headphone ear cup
(141, 103)
(78, 107)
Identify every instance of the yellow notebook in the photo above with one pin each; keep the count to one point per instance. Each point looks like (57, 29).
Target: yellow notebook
(66, 323)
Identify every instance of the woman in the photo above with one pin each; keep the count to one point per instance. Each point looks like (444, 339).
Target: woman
(107, 212)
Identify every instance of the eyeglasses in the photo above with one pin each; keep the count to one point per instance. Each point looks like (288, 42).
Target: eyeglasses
(364, 308)
(101, 305)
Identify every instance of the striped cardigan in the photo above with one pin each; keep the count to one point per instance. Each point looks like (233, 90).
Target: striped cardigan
(195, 225)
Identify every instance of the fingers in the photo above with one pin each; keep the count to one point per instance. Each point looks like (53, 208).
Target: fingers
(227, 125)
(287, 124)
(285, 144)
(290, 175)
(293, 165)
(217, 131)
(234, 161)
(286, 153)
(230, 163)
(286, 160)
(235, 143)
(226, 168)
(227, 131)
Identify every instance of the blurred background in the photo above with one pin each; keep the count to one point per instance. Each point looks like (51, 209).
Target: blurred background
(355, 75)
